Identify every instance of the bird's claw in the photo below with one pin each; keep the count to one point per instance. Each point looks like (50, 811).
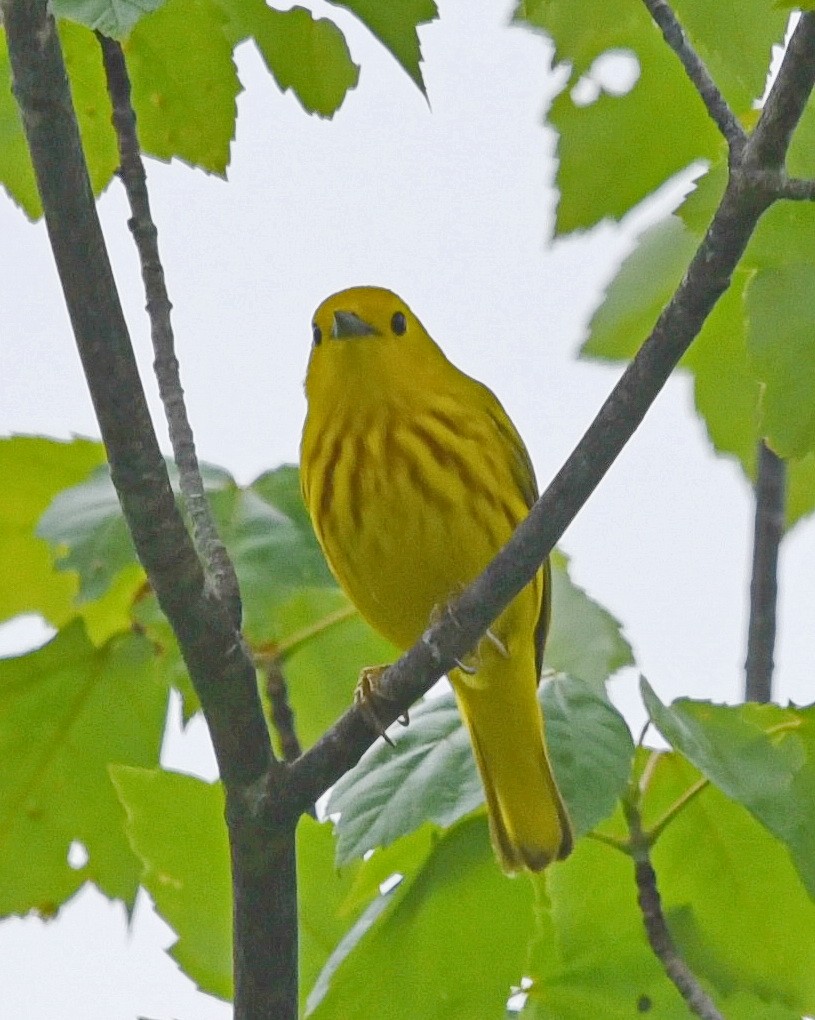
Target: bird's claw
(367, 692)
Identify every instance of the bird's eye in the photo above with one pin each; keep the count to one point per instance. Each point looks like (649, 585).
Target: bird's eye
(317, 334)
(399, 323)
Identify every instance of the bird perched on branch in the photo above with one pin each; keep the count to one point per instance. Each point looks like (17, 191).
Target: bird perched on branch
(415, 477)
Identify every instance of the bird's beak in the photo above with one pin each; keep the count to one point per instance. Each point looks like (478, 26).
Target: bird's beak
(347, 325)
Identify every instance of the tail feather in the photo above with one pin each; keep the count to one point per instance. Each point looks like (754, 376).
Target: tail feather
(528, 820)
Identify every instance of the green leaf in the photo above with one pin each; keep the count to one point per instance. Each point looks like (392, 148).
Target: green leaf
(726, 390)
(763, 758)
(86, 522)
(736, 909)
(591, 749)
(269, 536)
(264, 526)
(727, 382)
(749, 1006)
(33, 471)
(404, 857)
(86, 74)
(585, 641)
(592, 957)
(16, 171)
(612, 151)
(780, 311)
(184, 84)
(430, 774)
(800, 489)
(395, 26)
(66, 712)
(643, 285)
(617, 143)
(325, 644)
(89, 92)
(741, 917)
(322, 893)
(110, 17)
(175, 824)
(304, 54)
(456, 921)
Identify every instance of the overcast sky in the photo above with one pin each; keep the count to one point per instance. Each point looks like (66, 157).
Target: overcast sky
(451, 207)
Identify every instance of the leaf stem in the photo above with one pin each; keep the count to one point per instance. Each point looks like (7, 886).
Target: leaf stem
(615, 842)
(679, 804)
(286, 648)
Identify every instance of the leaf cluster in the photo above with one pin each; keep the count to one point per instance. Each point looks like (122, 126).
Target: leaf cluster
(408, 889)
(753, 364)
(180, 56)
(400, 884)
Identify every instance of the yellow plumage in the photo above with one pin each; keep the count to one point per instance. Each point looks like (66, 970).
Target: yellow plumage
(415, 477)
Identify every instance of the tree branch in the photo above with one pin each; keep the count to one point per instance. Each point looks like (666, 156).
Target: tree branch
(261, 837)
(131, 170)
(788, 97)
(282, 714)
(798, 190)
(770, 492)
(656, 927)
(748, 194)
(717, 106)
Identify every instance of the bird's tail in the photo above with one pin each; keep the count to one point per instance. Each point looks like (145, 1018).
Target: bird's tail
(528, 821)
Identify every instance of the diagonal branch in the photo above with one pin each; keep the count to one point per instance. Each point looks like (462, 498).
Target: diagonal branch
(717, 106)
(707, 277)
(131, 170)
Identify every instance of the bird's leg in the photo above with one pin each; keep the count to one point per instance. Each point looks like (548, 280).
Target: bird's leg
(367, 692)
(436, 614)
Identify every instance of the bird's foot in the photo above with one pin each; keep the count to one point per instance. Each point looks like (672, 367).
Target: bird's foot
(366, 695)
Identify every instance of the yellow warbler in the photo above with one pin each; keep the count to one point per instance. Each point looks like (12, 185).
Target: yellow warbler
(415, 477)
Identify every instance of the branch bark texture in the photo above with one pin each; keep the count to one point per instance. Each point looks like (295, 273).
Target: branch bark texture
(770, 493)
(656, 926)
(261, 839)
(131, 170)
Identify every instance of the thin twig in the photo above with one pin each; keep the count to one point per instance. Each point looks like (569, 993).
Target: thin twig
(797, 190)
(656, 927)
(770, 492)
(715, 103)
(145, 234)
(282, 714)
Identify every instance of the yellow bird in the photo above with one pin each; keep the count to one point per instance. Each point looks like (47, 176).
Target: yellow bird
(415, 477)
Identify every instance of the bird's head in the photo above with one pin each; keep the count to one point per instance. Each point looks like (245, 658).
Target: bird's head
(368, 335)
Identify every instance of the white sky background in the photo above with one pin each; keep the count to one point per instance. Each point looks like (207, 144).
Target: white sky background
(452, 208)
